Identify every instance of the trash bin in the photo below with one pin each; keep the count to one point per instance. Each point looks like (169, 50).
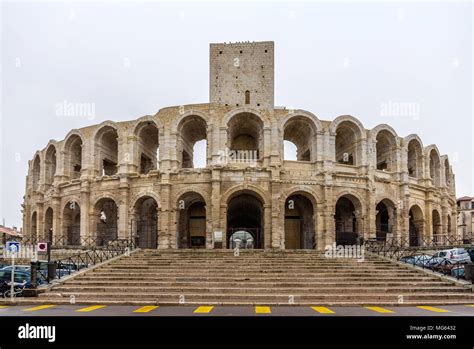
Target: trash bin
(52, 266)
(469, 272)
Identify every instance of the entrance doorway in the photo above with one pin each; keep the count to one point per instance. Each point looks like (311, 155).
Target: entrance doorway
(245, 221)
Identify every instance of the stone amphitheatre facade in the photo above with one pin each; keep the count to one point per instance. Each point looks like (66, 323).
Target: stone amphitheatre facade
(137, 180)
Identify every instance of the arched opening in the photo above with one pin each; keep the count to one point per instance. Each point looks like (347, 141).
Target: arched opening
(192, 129)
(191, 219)
(447, 173)
(414, 159)
(147, 143)
(50, 165)
(36, 173)
(347, 220)
(438, 237)
(435, 167)
(449, 229)
(73, 157)
(245, 137)
(247, 97)
(107, 150)
(72, 223)
(145, 222)
(416, 226)
(347, 143)
(299, 223)
(300, 132)
(289, 151)
(245, 214)
(48, 225)
(34, 225)
(384, 219)
(106, 218)
(386, 151)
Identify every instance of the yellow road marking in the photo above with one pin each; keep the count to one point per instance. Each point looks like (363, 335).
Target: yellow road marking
(263, 310)
(146, 309)
(3, 306)
(92, 308)
(380, 310)
(433, 309)
(203, 309)
(469, 305)
(40, 307)
(323, 310)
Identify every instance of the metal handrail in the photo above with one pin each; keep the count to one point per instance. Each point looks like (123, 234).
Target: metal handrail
(72, 264)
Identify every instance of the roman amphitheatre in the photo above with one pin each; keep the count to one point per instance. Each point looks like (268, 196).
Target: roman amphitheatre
(138, 180)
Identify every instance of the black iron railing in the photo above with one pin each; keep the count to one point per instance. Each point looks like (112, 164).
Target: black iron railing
(47, 271)
(423, 254)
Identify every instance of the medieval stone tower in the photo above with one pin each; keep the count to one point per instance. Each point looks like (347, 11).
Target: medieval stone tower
(242, 74)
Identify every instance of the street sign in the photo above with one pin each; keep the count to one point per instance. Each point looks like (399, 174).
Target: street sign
(13, 246)
(42, 247)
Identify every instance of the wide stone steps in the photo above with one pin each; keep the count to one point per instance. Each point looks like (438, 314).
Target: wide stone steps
(253, 298)
(262, 290)
(254, 277)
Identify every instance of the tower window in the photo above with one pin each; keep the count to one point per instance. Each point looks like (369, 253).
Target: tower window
(247, 97)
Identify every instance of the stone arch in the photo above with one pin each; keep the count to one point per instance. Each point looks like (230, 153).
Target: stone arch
(106, 148)
(245, 136)
(179, 119)
(191, 219)
(191, 129)
(50, 163)
(348, 218)
(34, 225)
(49, 223)
(384, 218)
(299, 208)
(349, 134)
(105, 219)
(301, 129)
(245, 110)
(71, 222)
(447, 171)
(436, 222)
(416, 227)
(385, 139)
(146, 145)
(36, 171)
(434, 164)
(144, 223)
(248, 188)
(73, 147)
(414, 148)
(245, 219)
(136, 197)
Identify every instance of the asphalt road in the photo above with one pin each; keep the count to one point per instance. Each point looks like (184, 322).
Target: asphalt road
(203, 310)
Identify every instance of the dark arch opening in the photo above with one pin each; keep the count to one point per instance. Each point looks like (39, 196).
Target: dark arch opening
(245, 214)
(299, 223)
(145, 222)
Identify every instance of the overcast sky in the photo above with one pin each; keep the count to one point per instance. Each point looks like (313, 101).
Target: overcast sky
(131, 59)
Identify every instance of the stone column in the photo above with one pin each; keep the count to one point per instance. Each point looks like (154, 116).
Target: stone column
(85, 207)
(267, 230)
(215, 205)
(166, 239)
(58, 235)
(40, 221)
(123, 221)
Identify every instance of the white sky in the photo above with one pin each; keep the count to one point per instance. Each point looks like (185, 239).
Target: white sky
(132, 58)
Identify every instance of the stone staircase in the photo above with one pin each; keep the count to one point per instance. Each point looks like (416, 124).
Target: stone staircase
(254, 277)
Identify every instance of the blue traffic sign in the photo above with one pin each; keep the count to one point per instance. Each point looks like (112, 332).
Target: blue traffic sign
(13, 246)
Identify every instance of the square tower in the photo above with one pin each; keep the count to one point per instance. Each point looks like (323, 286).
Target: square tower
(242, 74)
